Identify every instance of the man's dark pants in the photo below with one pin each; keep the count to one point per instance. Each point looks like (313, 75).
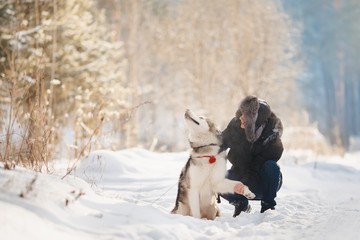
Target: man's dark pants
(271, 181)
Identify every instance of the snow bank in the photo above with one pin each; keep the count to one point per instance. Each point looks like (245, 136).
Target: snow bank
(129, 194)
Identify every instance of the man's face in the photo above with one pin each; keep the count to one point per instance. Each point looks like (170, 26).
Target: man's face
(242, 119)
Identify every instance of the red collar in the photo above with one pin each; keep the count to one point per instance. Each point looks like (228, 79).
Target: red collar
(212, 159)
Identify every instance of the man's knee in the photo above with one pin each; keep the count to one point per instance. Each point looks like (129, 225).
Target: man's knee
(270, 163)
(271, 172)
(270, 167)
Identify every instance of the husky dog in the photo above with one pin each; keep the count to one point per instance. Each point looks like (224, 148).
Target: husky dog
(204, 173)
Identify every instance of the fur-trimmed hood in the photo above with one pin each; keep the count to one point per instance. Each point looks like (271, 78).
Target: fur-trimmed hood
(256, 112)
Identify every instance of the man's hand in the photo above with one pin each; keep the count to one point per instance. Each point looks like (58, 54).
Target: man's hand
(243, 190)
(239, 188)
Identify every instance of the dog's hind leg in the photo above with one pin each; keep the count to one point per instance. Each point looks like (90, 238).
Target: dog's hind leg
(194, 203)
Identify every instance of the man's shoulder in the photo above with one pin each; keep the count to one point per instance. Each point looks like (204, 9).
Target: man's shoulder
(276, 124)
(233, 134)
(233, 127)
(272, 131)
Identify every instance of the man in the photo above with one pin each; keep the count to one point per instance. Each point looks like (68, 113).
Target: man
(253, 137)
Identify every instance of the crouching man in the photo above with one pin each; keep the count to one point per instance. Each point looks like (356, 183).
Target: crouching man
(253, 137)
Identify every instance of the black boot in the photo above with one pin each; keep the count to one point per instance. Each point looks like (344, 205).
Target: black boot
(266, 206)
(239, 209)
(241, 205)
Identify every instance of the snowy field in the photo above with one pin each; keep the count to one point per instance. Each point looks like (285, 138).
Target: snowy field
(129, 194)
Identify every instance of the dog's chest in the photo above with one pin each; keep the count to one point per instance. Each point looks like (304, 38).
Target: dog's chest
(205, 175)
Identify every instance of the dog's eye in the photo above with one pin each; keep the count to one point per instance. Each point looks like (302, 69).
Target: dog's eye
(201, 117)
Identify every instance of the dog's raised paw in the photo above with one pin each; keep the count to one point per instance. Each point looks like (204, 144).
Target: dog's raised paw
(248, 194)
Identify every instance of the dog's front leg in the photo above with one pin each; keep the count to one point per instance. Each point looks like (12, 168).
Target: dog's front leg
(230, 186)
(225, 186)
(194, 203)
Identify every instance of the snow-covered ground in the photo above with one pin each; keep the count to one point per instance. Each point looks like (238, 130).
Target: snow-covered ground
(129, 194)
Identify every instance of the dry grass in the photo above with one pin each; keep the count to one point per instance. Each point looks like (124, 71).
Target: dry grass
(28, 132)
(87, 146)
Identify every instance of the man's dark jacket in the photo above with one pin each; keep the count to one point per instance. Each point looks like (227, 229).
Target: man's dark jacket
(247, 158)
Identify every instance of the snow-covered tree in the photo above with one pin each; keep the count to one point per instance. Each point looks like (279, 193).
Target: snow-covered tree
(90, 66)
(60, 65)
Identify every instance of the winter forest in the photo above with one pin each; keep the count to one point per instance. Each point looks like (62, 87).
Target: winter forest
(81, 76)
(116, 74)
